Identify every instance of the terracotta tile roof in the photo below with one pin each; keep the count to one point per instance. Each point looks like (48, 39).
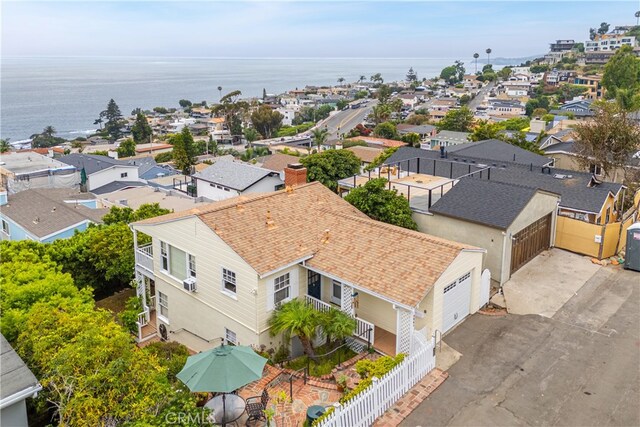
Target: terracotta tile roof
(154, 148)
(278, 161)
(337, 238)
(366, 154)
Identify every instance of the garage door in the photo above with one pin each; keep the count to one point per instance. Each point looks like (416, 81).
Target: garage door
(530, 242)
(457, 298)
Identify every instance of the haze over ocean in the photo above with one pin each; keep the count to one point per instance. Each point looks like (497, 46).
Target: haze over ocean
(69, 93)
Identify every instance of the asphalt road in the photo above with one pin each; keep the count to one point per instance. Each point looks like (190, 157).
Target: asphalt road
(344, 121)
(578, 368)
(475, 102)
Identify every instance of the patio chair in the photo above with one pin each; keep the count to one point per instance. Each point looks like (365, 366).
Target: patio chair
(256, 406)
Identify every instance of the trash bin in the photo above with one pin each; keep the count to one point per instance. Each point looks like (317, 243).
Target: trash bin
(632, 254)
(314, 412)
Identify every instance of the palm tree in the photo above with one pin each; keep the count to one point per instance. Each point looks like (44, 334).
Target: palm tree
(637, 15)
(250, 134)
(48, 132)
(296, 318)
(340, 80)
(319, 136)
(476, 56)
(220, 91)
(337, 325)
(488, 55)
(361, 79)
(4, 145)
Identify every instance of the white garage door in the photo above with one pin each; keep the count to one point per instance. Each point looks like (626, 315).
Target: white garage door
(457, 298)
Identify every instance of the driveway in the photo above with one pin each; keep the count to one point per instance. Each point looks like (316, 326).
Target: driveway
(547, 282)
(576, 368)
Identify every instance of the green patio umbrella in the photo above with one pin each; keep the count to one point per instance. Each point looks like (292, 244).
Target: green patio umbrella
(222, 369)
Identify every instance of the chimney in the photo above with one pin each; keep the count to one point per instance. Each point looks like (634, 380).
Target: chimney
(295, 174)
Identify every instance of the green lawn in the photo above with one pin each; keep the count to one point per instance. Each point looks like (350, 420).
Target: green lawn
(116, 303)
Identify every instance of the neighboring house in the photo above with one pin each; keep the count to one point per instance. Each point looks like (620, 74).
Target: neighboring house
(565, 157)
(593, 86)
(556, 77)
(562, 46)
(579, 108)
(153, 149)
(378, 142)
(101, 170)
(218, 272)
(409, 100)
(225, 179)
(426, 132)
(588, 205)
(366, 154)
(277, 162)
(45, 215)
(609, 42)
(513, 222)
(506, 108)
(447, 138)
(17, 383)
(148, 168)
(134, 197)
(24, 170)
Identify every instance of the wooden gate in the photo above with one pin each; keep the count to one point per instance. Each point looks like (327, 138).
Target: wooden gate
(530, 242)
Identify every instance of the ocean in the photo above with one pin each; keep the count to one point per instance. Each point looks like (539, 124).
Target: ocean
(69, 93)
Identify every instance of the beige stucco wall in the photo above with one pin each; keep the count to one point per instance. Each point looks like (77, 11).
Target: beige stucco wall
(377, 311)
(495, 241)
(466, 261)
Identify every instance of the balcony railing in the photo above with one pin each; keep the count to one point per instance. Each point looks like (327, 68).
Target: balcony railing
(144, 257)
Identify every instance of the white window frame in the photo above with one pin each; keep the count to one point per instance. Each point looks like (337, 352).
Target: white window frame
(230, 277)
(336, 299)
(191, 265)
(280, 284)
(164, 256)
(124, 174)
(5, 228)
(230, 337)
(163, 305)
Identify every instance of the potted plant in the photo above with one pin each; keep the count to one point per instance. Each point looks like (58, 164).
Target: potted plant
(341, 381)
(269, 413)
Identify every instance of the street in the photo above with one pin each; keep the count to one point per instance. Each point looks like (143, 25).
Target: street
(475, 102)
(576, 368)
(343, 121)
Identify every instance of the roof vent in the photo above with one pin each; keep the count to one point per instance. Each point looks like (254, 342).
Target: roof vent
(325, 236)
(270, 223)
(560, 176)
(54, 209)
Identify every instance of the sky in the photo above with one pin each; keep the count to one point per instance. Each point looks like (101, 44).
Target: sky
(364, 29)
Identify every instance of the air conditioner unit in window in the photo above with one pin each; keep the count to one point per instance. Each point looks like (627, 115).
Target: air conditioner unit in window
(190, 284)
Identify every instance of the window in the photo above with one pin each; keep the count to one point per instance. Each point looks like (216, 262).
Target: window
(192, 265)
(5, 227)
(229, 280)
(607, 216)
(595, 169)
(163, 303)
(164, 256)
(230, 337)
(336, 292)
(282, 288)
(124, 174)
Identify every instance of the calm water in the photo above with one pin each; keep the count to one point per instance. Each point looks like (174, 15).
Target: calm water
(69, 93)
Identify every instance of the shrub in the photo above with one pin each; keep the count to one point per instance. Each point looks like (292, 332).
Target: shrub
(171, 355)
(129, 316)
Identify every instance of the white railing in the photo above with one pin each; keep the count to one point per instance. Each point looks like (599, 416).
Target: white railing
(362, 326)
(152, 302)
(366, 407)
(144, 257)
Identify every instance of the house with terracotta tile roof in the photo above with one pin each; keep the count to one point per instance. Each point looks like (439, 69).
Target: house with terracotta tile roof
(217, 272)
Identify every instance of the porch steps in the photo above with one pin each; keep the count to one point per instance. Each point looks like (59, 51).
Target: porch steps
(356, 345)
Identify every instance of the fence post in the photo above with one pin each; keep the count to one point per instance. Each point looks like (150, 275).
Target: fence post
(291, 387)
(368, 339)
(376, 397)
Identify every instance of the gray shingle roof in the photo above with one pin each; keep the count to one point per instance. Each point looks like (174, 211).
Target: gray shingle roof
(495, 204)
(494, 150)
(238, 176)
(575, 192)
(116, 185)
(90, 162)
(43, 211)
(15, 376)
(450, 135)
(420, 129)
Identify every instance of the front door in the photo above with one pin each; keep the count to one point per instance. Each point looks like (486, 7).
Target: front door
(314, 281)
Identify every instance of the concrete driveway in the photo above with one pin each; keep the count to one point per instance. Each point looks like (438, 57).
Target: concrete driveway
(547, 282)
(577, 368)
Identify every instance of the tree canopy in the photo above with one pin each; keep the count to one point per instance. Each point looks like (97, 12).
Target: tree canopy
(267, 121)
(330, 166)
(127, 148)
(114, 120)
(386, 130)
(381, 204)
(184, 150)
(454, 73)
(141, 130)
(459, 120)
(622, 74)
(126, 215)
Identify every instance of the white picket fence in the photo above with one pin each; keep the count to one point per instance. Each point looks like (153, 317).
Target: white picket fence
(365, 408)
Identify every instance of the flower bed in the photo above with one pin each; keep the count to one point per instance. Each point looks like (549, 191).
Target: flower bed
(324, 365)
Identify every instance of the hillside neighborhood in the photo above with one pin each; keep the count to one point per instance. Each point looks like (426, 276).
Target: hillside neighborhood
(373, 252)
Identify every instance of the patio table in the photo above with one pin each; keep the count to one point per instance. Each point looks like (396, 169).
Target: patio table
(233, 404)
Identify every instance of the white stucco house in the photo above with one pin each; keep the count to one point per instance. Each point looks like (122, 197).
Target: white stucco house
(227, 178)
(102, 170)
